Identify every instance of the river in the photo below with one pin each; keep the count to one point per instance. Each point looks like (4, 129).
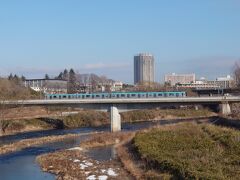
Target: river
(22, 165)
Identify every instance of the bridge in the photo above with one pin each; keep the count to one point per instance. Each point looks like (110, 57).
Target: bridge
(114, 106)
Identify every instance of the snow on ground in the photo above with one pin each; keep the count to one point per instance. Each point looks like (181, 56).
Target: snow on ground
(93, 172)
(76, 160)
(111, 172)
(76, 148)
(83, 166)
(103, 177)
(92, 177)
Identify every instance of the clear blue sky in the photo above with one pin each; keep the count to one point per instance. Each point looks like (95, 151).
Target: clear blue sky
(102, 36)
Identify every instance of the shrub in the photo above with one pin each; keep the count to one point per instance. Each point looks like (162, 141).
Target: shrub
(191, 151)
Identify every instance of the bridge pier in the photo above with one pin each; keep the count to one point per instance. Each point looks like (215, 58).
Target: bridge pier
(225, 108)
(115, 119)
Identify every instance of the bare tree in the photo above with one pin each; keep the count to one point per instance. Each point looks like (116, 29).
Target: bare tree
(236, 74)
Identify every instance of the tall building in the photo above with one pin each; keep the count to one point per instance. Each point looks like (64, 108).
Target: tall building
(174, 79)
(143, 68)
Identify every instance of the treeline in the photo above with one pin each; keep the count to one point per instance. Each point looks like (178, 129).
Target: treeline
(70, 77)
(13, 88)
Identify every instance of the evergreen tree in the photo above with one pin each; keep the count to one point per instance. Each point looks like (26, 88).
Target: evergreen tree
(10, 77)
(72, 82)
(65, 74)
(47, 76)
(60, 76)
(23, 78)
(16, 80)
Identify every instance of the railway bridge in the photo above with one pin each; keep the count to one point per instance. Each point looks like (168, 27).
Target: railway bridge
(114, 106)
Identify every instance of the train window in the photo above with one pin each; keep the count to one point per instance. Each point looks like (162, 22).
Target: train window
(154, 95)
(64, 97)
(160, 94)
(150, 95)
(97, 95)
(133, 95)
(87, 96)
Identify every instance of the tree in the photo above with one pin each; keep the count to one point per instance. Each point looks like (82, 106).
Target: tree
(60, 76)
(72, 82)
(236, 74)
(23, 78)
(10, 77)
(47, 76)
(65, 74)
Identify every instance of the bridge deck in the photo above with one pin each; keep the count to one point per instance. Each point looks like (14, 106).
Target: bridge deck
(190, 100)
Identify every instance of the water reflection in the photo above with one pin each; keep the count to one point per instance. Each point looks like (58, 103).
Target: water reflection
(105, 153)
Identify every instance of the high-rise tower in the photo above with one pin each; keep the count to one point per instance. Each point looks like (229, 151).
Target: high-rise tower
(143, 68)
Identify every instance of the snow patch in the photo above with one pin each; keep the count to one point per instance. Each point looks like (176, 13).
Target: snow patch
(83, 166)
(76, 160)
(110, 172)
(103, 170)
(89, 163)
(76, 148)
(92, 177)
(103, 177)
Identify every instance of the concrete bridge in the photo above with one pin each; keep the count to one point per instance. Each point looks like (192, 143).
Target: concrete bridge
(114, 106)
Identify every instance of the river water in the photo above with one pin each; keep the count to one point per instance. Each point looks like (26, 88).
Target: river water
(22, 165)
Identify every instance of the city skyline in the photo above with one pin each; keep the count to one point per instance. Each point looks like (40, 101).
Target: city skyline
(102, 37)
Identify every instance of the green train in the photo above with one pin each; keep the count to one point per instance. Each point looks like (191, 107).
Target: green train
(117, 95)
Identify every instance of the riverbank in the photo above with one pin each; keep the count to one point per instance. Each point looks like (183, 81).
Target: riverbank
(88, 118)
(22, 144)
(190, 150)
(76, 164)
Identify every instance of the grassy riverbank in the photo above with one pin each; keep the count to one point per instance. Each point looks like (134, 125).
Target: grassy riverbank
(22, 144)
(191, 151)
(88, 118)
(180, 151)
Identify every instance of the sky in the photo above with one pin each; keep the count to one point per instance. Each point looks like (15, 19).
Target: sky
(102, 36)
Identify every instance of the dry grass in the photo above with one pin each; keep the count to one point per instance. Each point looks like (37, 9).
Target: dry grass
(157, 114)
(105, 139)
(67, 166)
(191, 151)
(127, 160)
(32, 142)
(24, 119)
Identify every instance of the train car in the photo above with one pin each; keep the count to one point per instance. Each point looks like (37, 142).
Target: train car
(117, 95)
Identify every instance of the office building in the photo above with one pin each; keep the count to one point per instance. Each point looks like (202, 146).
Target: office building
(143, 68)
(219, 83)
(50, 86)
(174, 79)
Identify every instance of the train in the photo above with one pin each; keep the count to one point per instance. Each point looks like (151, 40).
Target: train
(117, 95)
